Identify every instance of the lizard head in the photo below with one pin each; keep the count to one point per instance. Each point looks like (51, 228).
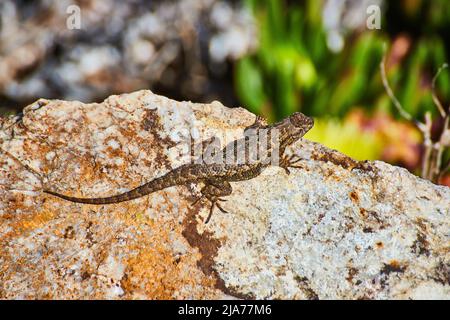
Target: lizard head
(293, 128)
(300, 122)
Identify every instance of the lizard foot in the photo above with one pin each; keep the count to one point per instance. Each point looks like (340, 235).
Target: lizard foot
(214, 203)
(290, 161)
(214, 191)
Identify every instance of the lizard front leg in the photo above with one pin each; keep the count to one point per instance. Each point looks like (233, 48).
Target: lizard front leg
(214, 190)
(290, 161)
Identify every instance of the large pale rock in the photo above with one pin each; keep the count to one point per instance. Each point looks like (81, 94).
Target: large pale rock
(332, 229)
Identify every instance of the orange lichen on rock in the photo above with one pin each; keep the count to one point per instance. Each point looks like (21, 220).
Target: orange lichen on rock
(155, 273)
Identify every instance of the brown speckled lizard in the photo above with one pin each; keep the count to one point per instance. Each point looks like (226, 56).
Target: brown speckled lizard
(216, 177)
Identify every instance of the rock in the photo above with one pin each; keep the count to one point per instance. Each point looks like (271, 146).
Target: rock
(334, 228)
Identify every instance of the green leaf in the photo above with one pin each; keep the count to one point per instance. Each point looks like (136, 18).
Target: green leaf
(249, 84)
(305, 73)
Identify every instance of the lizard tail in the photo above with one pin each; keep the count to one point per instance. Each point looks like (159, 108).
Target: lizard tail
(126, 196)
(160, 183)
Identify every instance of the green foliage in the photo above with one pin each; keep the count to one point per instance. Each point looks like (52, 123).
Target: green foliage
(346, 138)
(293, 69)
(250, 88)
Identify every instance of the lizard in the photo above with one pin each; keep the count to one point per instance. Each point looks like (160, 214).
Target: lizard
(216, 177)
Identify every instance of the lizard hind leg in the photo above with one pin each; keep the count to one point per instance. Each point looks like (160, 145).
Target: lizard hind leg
(214, 191)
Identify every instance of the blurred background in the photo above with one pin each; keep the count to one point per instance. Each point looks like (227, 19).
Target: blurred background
(273, 57)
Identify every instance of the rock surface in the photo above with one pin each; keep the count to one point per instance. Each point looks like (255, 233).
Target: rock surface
(332, 229)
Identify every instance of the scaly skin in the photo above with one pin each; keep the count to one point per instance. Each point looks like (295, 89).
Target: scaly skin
(216, 176)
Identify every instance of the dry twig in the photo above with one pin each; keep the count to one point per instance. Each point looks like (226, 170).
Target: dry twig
(434, 151)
